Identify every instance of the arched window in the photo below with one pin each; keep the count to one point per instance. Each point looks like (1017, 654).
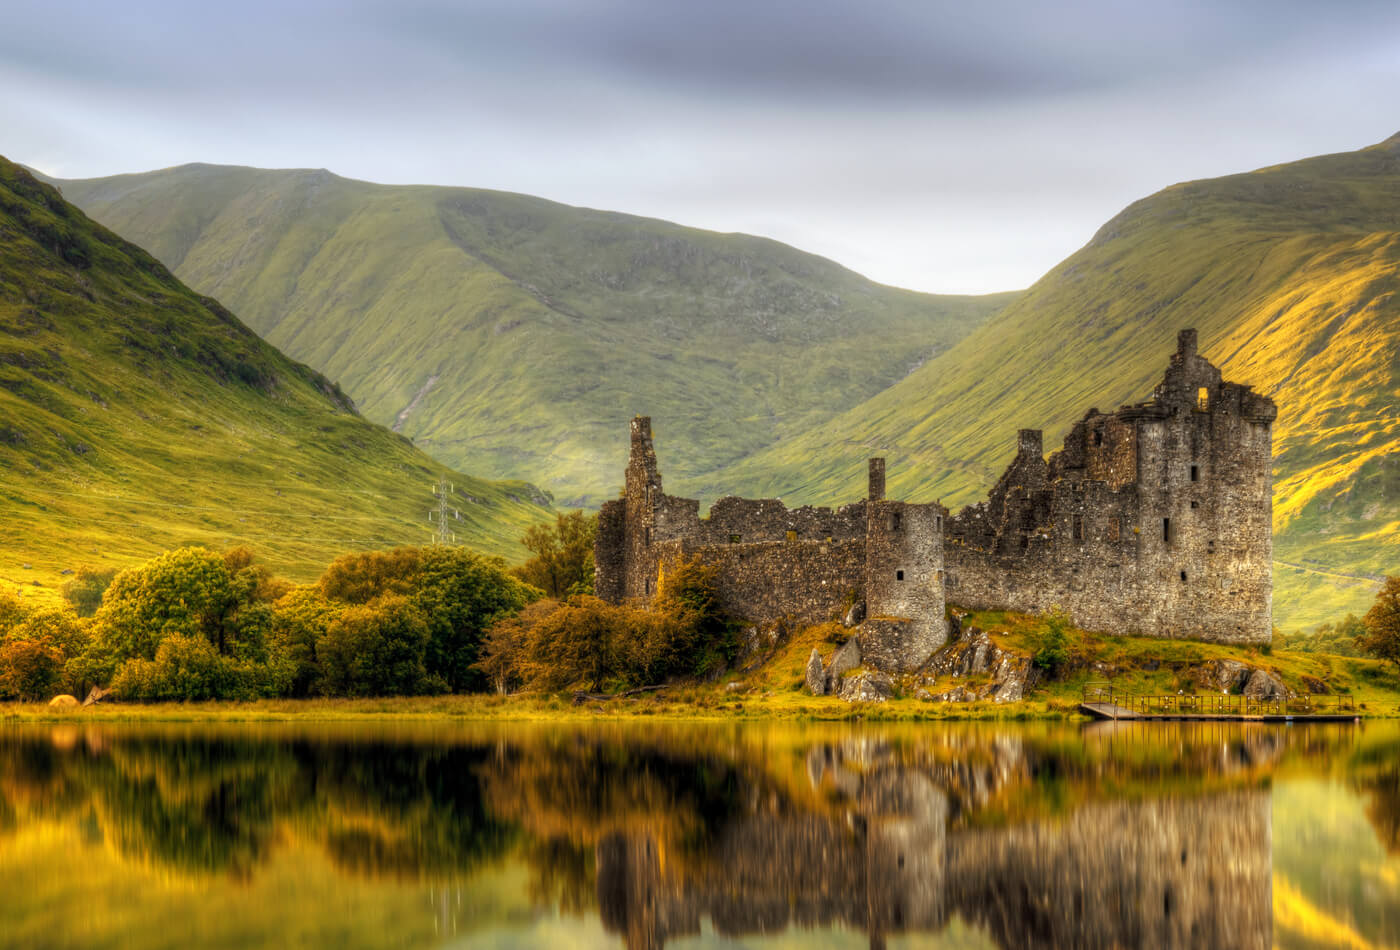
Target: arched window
(1203, 399)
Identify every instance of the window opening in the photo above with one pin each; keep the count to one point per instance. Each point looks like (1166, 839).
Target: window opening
(792, 535)
(899, 575)
(1167, 530)
(1079, 527)
(734, 539)
(1203, 399)
(894, 521)
(1183, 577)
(648, 535)
(1098, 437)
(1195, 473)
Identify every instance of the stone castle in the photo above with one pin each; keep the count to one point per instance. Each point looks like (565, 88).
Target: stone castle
(1153, 520)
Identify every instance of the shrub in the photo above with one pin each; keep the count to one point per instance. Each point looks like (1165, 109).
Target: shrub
(30, 670)
(376, 650)
(1052, 651)
(85, 589)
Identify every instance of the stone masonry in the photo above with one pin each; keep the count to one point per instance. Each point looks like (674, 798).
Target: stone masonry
(801, 566)
(1152, 520)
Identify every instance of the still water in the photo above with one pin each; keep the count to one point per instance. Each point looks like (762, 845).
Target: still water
(970, 836)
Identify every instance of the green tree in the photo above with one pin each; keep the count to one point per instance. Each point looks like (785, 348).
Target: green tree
(376, 650)
(300, 619)
(85, 589)
(185, 592)
(461, 594)
(563, 555)
(1052, 652)
(1382, 621)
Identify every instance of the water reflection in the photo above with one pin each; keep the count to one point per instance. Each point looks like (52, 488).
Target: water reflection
(1103, 837)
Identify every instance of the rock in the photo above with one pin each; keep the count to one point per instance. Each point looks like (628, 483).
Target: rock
(867, 687)
(842, 662)
(1229, 675)
(923, 695)
(958, 694)
(66, 571)
(96, 695)
(64, 702)
(855, 615)
(1012, 674)
(733, 687)
(1265, 686)
(1316, 686)
(816, 677)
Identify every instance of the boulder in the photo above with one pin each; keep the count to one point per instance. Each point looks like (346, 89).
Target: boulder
(855, 615)
(866, 687)
(816, 676)
(64, 702)
(842, 662)
(733, 687)
(1315, 686)
(958, 694)
(923, 695)
(1265, 686)
(1228, 675)
(1011, 673)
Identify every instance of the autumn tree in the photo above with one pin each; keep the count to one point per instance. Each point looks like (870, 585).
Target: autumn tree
(563, 555)
(1382, 636)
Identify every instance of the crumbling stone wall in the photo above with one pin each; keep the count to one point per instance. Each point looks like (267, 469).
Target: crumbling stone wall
(1152, 520)
(806, 565)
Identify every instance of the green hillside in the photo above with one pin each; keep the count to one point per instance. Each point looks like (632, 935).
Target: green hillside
(1290, 273)
(136, 415)
(513, 336)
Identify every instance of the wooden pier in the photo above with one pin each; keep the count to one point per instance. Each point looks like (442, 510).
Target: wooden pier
(1102, 701)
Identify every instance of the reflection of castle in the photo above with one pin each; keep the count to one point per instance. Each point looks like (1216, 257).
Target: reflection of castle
(1171, 872)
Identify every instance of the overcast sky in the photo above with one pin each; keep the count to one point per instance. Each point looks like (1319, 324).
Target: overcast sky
(957, 147)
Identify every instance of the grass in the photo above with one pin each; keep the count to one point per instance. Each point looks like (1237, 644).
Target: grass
(137, 416)
(525, 333)
(1290, 275)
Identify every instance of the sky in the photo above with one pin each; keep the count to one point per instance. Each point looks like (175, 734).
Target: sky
(951, 147)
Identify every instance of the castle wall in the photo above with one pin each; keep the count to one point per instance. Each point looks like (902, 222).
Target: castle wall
(806, 582)
(1154, 520)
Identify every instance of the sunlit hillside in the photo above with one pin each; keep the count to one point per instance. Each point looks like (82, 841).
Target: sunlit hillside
(136, 415)
(514, 337)
(1290, 275)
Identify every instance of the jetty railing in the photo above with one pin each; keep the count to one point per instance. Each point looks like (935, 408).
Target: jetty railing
(1215, 704)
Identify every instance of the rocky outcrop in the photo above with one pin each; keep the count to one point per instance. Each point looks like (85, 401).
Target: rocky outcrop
(866, 687)
(1011, 674)
(64, 702)
(1232, 676)
(847, 658)
(816, 676)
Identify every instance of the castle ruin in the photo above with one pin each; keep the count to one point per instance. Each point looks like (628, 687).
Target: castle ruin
(1154, 520)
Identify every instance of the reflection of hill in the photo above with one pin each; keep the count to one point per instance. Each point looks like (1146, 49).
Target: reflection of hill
(1120, 837)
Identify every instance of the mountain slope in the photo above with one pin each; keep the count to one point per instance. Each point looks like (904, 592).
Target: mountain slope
(136, 415)
(514, 336)
(1290, 274)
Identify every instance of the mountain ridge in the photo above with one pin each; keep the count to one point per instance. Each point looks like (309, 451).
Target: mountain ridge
(545, 325)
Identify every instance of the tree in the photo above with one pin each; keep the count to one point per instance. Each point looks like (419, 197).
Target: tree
(187, 591)
(503, 650)
(376, 650)
(461, 594)
(30, 669)
(1382, 621)
(85, 589)
(563, 555)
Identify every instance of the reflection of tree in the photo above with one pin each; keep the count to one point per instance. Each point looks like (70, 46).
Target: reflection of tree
(1376, 774)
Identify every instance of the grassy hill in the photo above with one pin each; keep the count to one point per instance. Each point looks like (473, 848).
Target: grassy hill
(513, 336)
(1290, 273)
(136, 415)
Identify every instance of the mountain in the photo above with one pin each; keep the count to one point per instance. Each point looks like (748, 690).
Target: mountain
(513, 336)
(137, 415)
(1290, 273)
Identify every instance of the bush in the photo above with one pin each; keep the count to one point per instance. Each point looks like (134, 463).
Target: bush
(1052, 651)
(85, 589)
(30, 670)
(185, 668)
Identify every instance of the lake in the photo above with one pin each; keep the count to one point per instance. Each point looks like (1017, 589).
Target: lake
(690, 836)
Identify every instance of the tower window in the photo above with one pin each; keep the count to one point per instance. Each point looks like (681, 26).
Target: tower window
(1167, 530)
(1183, 577)
(1098, 437)
(1195, 473)
(792, 535)
(894, 521)
(734, 539)
(1079, 527)
(899, 575)
(1203, 399)
(648, 535)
